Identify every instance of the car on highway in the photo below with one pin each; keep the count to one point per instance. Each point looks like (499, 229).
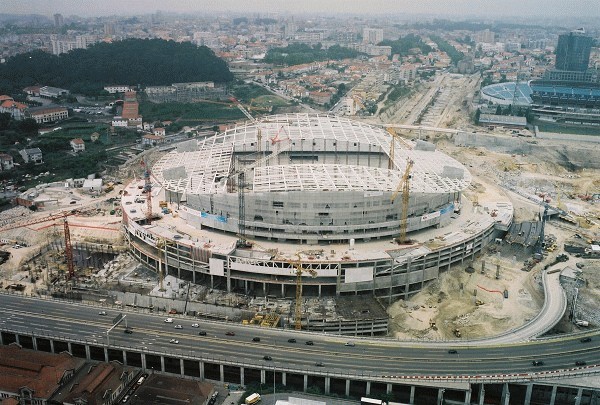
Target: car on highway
(256, 339)
(195, 325)
(267, 358)
(169, 320)
(202, 333)
(178, 327)
(230, 333)
(319, 364)
(452, 351)
(537, 363)
(174, 341)
(309, 343)
(292, 340)
(128, 331)
(102, 313)
(350, 344)
(586, 340)
(580, 363)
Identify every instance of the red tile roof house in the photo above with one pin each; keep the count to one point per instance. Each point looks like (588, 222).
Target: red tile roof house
(78, 145)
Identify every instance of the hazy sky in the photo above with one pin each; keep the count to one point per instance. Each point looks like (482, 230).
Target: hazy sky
(490, 8)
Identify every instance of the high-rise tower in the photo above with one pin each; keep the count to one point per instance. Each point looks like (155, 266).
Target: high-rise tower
(573, 51)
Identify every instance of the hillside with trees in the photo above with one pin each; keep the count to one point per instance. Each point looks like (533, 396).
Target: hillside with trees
(403, 45)
(148, 62)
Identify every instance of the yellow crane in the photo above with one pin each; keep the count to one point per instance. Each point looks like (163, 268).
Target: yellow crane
(404, 186)
(395, 137)
(298, 309)
(299, 270)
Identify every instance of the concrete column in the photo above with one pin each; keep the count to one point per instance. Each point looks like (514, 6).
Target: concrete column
(412, 394)
(482, 394)
(87, 353)
(388, 388)
(262, 377)
(368, 388)
(440, 396)
(194, 276)
(327, 384)
(553, 397)
(282, 290)
(265, 289)
(124, 358)
(305, 382)
(201, 371)
(505, 394)
(468, 397)
(242, 376)
(319, 290)
(105, 352)
(162, 363)
(347, 388)
(181, 369)
(51, 345)
(527, 400)
(222, 373)
(212, 281)
(34, 342)
(143, 359)
(578, 397)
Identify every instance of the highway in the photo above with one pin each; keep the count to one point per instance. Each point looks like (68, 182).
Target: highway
(377, 357)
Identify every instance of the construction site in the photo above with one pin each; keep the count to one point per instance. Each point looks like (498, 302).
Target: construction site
(323, 223)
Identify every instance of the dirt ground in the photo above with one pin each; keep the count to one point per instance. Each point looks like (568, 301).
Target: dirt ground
(450, 303)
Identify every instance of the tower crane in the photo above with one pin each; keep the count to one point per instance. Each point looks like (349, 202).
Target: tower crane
(404, 186)
(67, 233)
(395, 137)
(147, 190)
(299, 270)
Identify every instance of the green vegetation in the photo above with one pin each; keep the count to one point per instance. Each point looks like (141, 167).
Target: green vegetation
(403, 45)
(190, 112)
(132, 61)
(297, 54)
(451, 51)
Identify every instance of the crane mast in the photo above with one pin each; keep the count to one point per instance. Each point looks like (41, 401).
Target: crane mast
(404, 186)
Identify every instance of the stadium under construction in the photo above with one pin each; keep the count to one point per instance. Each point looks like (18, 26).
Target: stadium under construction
(245, 209)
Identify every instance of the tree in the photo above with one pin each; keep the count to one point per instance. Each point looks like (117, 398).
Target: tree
(477, 116)
(28, 126)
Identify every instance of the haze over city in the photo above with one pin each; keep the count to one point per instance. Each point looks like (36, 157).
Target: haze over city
(483, 8)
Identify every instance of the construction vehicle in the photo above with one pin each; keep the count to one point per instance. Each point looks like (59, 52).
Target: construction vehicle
(404, 185)
(478, 302)
(457, 333)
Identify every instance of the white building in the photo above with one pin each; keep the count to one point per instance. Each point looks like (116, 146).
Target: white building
(372, 35)
(117, 88)
(78, 145)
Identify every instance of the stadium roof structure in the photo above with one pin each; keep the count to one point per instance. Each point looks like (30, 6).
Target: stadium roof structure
(204, 167)
(506, 91)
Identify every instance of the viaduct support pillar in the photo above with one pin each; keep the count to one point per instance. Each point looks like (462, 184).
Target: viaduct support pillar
(162, 364)
(412, 394)
(482, 394)
(263, 377)
(305, 382)
(327, 384)
(87, 353)
(578, 397)
(468, 397)
(528, 392)
(348, 388)
(368, 388)
(505, 394)
(221, 373)
(242, 374)
(143, 359)
(553, 397)
(181, 369)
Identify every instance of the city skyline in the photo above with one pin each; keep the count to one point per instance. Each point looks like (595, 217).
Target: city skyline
(484, 8)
